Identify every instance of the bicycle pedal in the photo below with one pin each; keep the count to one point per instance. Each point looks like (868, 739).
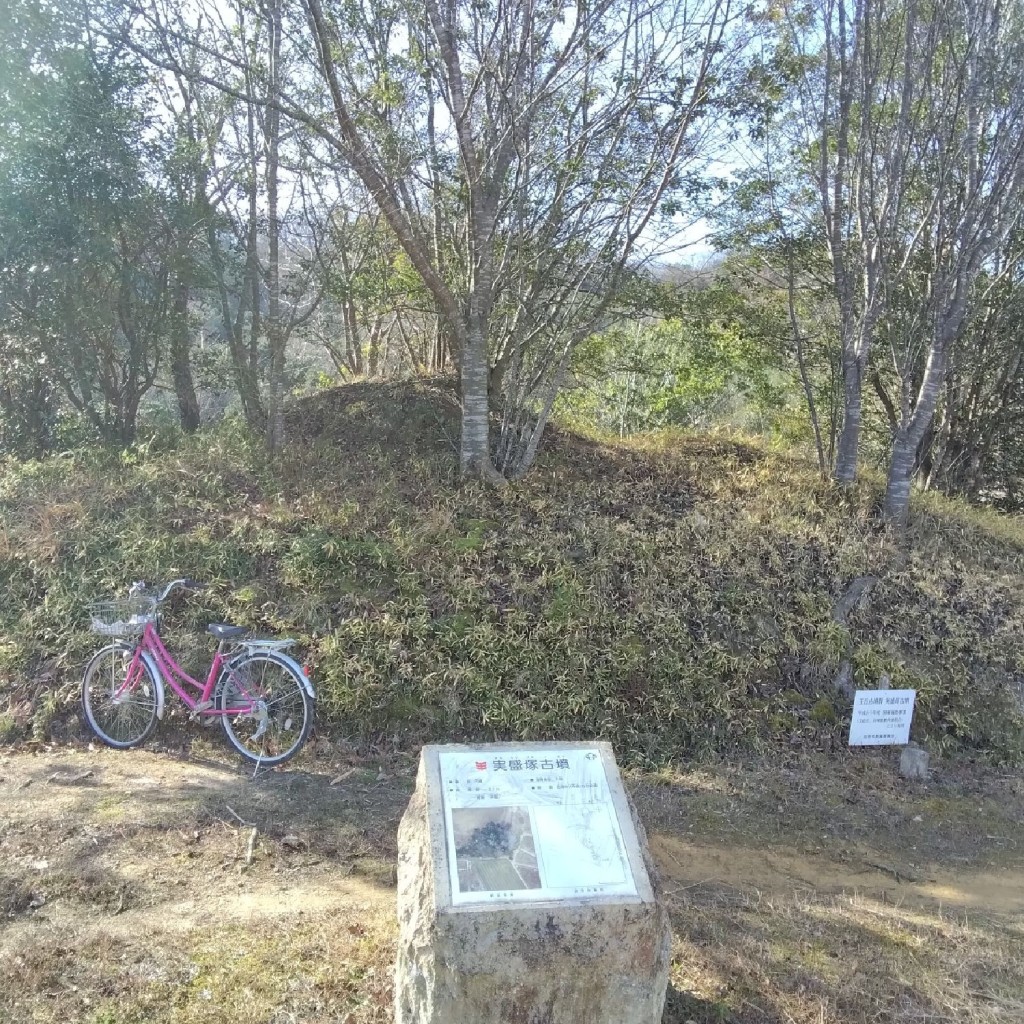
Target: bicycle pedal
(197, 711)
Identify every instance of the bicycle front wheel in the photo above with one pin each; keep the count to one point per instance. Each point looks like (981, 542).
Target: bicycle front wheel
(120, 705)
(267, 712)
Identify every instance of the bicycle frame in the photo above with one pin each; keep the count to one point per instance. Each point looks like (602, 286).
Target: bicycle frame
(177, 678)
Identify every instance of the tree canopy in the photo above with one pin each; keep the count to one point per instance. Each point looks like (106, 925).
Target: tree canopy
(222, 202)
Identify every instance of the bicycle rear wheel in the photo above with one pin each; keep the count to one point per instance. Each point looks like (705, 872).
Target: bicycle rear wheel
(268, 713)
(122, 712)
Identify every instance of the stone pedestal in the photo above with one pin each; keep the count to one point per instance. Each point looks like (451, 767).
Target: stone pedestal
(467, 957)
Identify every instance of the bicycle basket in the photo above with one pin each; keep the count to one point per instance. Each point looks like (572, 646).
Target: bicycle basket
(124, 617)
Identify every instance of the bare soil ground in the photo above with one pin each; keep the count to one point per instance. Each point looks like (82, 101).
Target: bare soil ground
(164, 886)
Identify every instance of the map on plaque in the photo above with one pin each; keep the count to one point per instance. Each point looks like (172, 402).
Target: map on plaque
(530, 827)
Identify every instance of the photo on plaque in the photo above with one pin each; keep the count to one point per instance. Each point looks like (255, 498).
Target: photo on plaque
(495, 849)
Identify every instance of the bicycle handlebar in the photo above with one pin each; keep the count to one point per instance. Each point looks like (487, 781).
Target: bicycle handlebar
(186, 584)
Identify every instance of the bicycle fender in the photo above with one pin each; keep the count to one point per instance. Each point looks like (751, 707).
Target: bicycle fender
(307, 685)
(272, 656)
(154, 669)
(158, 676)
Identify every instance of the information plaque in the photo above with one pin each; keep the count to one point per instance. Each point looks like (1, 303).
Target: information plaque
(881, 717)
(530, 826)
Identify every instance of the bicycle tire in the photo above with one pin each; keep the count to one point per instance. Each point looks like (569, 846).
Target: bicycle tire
(123, 721)
(283, 689)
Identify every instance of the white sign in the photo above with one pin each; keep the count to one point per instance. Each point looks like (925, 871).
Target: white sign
(528, 826)
(881, 717)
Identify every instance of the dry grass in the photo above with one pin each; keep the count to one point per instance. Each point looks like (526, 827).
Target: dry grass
(220, 974)
(128, 898)
(754, 958)
(739, 956)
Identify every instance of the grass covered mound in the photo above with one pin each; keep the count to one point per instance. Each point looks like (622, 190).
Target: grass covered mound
(673, 594)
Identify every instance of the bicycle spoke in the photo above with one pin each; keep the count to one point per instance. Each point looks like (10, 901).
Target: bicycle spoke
(273, 712)
(120, 709)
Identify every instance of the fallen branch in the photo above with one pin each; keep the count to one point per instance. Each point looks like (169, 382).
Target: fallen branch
(238, 817)
(900, 876)
(68, 779)
(855, 596)
(250, 848)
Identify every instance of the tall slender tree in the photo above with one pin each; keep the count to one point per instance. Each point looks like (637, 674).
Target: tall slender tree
(963, 196)
(522, 154)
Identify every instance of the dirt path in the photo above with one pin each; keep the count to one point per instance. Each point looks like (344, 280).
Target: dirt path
(998, 892)
(111, 844)
(124, 876)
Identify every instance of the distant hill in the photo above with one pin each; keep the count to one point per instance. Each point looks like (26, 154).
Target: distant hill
(673, 593)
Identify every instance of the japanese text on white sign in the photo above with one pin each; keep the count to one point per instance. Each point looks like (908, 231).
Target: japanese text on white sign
(881, 717)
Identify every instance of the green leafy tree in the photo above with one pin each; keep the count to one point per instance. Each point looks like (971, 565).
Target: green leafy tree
(85, 283)
(705, 360)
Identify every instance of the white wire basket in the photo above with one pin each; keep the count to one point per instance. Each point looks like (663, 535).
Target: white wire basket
(125, 617)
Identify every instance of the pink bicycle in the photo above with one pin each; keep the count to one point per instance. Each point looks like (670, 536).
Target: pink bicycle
(261, 696)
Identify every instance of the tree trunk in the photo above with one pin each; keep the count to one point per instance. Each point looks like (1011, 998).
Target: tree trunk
(805, 379)
(275, 412)
(232, 325)
(849, 437)
(276, 334)
(181, 365)
(901, 472)
(475, 453)
(373, 351)
(911, 433)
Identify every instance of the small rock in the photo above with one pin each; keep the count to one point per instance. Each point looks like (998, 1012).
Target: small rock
(917, 817)
(843, 681)
(292, 843)
(914, 763)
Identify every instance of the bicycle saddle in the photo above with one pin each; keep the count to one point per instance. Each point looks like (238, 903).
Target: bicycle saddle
(225, 631)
